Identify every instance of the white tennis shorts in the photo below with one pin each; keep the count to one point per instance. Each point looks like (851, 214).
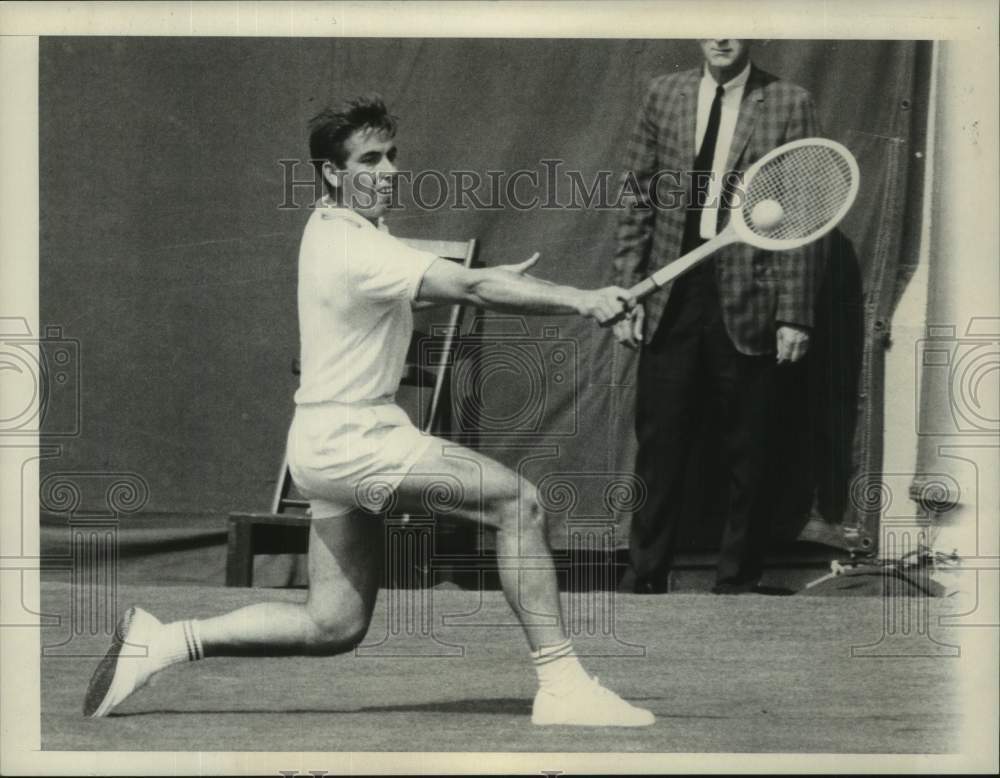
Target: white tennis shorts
(345, 456)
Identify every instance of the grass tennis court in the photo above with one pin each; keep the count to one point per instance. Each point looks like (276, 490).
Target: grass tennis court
(722, 674)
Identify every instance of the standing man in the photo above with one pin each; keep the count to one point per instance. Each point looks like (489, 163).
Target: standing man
(351, 449)
(711, 341)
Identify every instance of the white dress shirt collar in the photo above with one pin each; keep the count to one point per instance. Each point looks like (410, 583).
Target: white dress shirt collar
(736, 82)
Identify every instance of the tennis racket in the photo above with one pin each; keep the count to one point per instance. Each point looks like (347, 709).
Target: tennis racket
(790, 197)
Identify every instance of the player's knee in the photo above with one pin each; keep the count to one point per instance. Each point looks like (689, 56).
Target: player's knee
(337, 633)
(521, 510)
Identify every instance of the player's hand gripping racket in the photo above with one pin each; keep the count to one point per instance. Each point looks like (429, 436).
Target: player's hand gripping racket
(789, 198)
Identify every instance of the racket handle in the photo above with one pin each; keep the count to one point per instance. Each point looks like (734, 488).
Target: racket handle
(643, 289)
(678, 267)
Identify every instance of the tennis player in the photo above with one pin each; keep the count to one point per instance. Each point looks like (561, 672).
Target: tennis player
(351, 448)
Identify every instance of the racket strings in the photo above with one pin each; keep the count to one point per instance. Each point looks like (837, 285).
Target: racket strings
(810, 183)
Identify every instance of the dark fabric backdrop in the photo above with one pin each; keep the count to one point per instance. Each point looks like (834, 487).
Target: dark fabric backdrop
(165, 253)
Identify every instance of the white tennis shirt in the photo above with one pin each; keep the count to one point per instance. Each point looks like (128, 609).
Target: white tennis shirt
(356, 284)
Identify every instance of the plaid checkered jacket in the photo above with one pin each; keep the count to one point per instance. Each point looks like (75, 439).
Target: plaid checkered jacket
(757, 288)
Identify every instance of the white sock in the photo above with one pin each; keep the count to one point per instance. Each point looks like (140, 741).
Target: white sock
(179, 641)
(558, 668)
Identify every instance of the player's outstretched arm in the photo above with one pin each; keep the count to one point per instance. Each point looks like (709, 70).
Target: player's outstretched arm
(510, 289)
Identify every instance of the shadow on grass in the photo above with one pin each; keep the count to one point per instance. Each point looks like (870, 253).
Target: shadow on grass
(495, 706)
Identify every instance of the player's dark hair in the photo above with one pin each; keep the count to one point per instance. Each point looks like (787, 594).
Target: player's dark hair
(331, 127)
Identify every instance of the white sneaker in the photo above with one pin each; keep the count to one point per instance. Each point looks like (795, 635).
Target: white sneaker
(587, 705)
(126, 667)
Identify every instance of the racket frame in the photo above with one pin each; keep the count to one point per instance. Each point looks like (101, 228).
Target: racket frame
(747, 235)
(737, 230)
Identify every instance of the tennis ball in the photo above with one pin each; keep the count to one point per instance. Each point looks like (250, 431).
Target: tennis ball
(766, 214)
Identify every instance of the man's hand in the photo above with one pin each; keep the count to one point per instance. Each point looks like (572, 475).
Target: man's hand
(628, 331)
(602, 305)
(793, 343)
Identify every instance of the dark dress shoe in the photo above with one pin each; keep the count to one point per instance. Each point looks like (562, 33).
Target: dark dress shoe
(633, 584)
(645, 586)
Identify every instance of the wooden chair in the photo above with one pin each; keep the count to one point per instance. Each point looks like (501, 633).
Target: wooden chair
(285, 528)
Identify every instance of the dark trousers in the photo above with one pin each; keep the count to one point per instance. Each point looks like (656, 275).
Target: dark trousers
(688, 370)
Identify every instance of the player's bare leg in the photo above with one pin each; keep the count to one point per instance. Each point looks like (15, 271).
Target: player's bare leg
(345, 569)
(493, 495)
